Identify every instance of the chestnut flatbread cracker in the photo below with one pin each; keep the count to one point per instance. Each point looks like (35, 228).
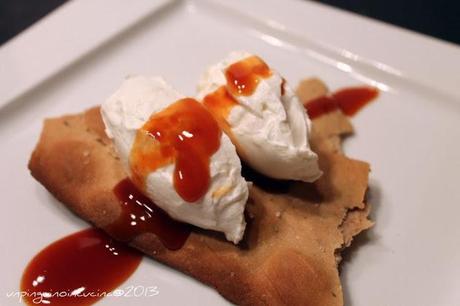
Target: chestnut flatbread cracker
(291, 248)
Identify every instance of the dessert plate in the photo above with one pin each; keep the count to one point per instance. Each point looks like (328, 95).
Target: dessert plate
(74, 58)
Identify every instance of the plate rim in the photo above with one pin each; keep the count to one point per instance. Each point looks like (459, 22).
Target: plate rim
(27, 62)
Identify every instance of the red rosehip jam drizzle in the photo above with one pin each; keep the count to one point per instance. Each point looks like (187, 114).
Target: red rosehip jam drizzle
(349, 100)
(185, 134)
(244, 76)
(140, 215)
(242, 79)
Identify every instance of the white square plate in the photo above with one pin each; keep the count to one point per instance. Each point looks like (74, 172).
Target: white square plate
(78, 55)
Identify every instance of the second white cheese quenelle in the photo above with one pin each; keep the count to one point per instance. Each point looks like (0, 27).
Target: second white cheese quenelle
(221, 208)
(267, 123)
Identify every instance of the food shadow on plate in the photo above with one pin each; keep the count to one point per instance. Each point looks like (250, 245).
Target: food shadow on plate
(374, 198)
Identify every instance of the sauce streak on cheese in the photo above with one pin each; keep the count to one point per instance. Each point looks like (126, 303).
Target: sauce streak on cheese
(282, 86)
(185, 134)
(87, 263)
(242, 78)
(219, 104)
(348, 100)
(140, 215)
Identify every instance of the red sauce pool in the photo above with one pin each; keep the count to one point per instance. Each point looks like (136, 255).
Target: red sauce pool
(87, 262)
(348, 100)
(185, 134)
(91, 264)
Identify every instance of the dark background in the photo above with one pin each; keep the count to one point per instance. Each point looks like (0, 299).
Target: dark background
(440, 19)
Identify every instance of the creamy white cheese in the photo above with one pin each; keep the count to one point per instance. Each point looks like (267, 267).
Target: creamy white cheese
(271, 129)
(222, 207)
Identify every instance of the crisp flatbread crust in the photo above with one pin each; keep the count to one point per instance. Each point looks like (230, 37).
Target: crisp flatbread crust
(291, 248)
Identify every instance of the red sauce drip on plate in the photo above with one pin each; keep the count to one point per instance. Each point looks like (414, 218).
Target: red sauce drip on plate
(140, 215)
(244, 76)
(87, 262)
(348, 100)
(185, 134)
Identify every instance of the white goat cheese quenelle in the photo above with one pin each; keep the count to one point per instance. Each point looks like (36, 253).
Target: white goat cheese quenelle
(164, 140)
(262, 115)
